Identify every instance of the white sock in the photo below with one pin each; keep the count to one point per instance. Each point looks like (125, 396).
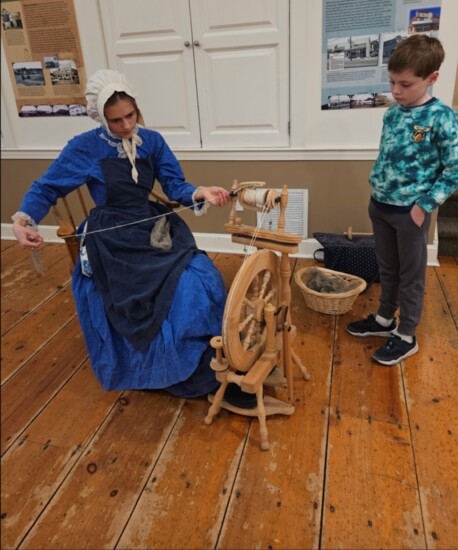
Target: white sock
(405, 337)
(382, 321)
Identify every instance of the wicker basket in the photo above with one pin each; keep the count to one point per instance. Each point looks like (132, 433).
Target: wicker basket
(333, 304)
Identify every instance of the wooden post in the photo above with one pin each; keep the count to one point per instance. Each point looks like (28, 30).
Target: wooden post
(233, 203)
(270, 345)
(285, 274)
(283, 205)
(67, 231)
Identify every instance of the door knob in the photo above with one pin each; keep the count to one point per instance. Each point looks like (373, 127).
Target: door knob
(196, 43)
(187, 43)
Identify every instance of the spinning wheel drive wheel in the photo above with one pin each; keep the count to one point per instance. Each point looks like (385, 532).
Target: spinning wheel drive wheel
(256, 284)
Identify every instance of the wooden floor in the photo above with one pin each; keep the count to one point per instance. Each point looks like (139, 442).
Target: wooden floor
(369, 459)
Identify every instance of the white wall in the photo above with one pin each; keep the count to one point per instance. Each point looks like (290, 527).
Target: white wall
(315, 134)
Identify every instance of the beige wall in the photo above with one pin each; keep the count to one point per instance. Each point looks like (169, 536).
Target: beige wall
(338, 190)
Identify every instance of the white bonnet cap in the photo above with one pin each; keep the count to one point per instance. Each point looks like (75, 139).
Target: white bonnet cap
(100, 87)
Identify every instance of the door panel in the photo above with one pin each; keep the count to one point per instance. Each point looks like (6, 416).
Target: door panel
(147, 44)
(242, 71)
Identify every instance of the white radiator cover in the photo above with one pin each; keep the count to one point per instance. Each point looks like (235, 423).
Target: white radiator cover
(296, 216)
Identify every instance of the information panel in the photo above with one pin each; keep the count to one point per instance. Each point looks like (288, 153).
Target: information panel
(358, 38)
(42, 47)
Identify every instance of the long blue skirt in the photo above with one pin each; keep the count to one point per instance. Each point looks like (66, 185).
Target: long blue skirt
(178, 358)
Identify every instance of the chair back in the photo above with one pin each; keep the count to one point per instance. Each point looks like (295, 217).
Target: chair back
(67, 227)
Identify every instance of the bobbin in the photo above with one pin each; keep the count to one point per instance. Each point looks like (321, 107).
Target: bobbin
(259, 199)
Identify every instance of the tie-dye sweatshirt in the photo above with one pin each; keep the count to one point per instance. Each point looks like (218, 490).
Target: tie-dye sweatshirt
(418, 158)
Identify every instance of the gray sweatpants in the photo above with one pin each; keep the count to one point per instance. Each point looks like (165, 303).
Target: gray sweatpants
(401, 250)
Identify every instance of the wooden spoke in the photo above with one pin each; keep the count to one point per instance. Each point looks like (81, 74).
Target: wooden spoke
(269, 296)
(247, 302)
(250, 337)
(244, 323)
(265, 282)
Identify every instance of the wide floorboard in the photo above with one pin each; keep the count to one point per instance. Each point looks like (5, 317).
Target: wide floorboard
(367, 460)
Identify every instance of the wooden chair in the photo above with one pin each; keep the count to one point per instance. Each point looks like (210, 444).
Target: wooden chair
(67, 227)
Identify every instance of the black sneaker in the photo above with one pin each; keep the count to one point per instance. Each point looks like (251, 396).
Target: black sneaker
(395, 350)
(370, 327)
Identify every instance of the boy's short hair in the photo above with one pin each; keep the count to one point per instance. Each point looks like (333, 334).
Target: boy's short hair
(420, 53)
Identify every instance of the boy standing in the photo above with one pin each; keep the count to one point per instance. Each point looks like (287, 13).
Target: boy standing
(415, 172)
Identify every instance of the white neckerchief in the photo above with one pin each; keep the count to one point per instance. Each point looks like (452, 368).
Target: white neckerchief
(130, 147)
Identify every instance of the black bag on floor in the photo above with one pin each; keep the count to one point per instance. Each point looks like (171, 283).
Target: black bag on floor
(355, 256)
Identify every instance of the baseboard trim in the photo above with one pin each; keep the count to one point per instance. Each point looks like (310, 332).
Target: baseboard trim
(217, 242)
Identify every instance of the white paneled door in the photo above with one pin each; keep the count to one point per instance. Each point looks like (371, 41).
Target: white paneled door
(210, 73)
(148, 41)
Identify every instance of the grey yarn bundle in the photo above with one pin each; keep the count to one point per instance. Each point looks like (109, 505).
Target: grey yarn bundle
(328, 283)
(160, 235)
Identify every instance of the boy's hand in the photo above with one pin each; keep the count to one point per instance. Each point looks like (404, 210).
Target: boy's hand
(418, 215)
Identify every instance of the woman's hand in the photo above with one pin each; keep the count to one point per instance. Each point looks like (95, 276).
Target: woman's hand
(418, 215)
(26, 236)
(217, 196)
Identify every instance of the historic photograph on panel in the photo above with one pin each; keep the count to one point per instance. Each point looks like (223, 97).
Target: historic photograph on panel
(65, 73)
(424, 20)
(28, 73)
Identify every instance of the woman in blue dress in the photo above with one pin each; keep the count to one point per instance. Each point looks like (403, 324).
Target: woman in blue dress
(147, 299)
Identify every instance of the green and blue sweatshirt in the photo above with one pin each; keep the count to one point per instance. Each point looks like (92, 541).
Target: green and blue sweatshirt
(418, 158)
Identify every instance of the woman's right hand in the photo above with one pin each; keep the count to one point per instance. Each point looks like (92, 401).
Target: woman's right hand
(26, 236)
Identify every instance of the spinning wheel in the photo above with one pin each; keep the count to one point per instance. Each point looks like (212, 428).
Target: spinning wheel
(257, 333)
